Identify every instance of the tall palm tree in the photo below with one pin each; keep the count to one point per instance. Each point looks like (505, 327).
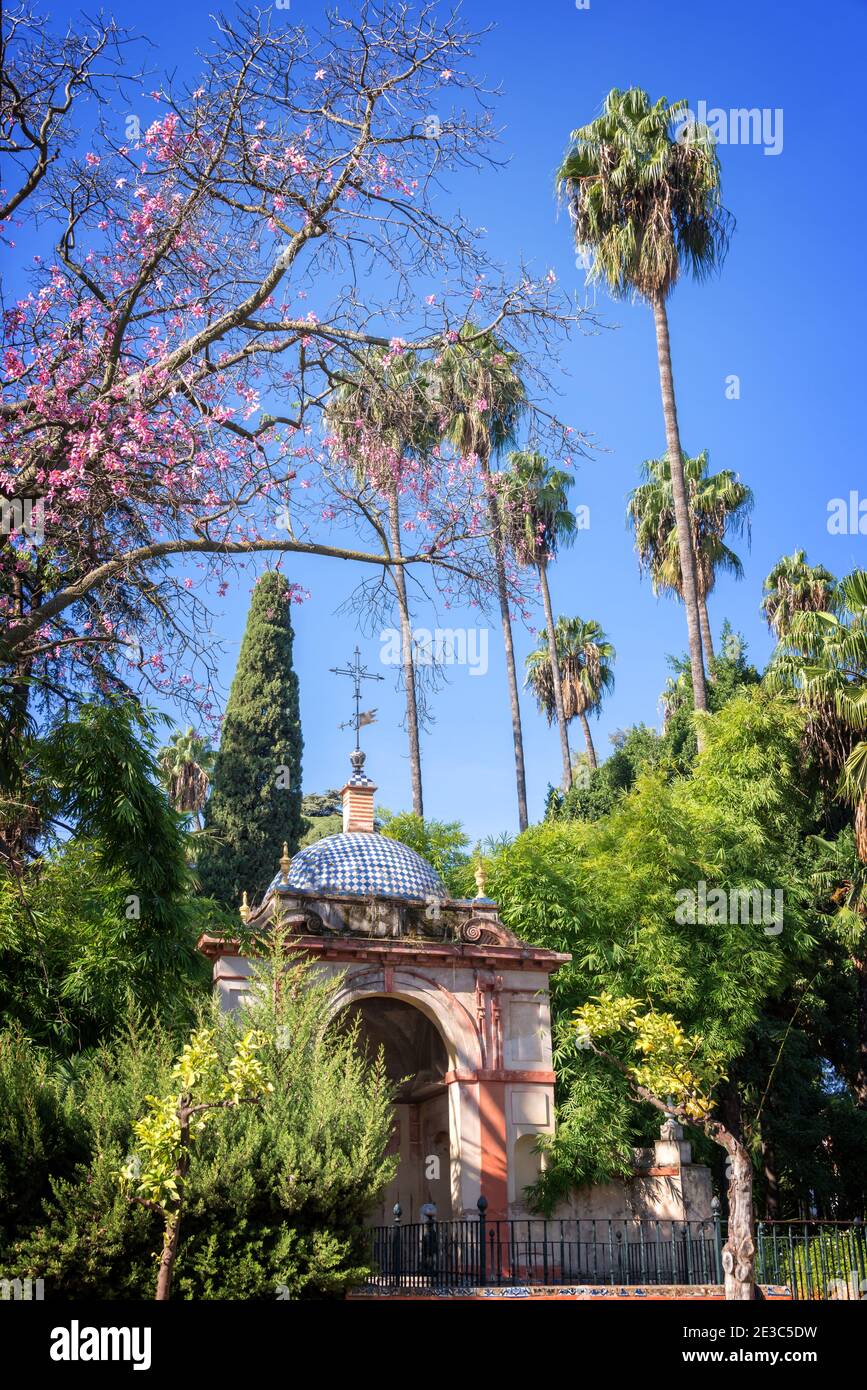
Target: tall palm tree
(585, 657)
(645, 199)
(823, 656)
(793, 586)
(481, 398)
(186, 763)
(718, 503)
(536, 520)
(388, 396)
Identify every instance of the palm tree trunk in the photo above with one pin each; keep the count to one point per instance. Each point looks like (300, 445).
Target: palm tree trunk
(555, 676)
(706, 636)
(511, 673)
(408, 663)
(681, 506)
(588, 739)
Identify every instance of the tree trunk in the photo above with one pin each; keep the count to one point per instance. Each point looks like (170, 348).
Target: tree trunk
(18, 833)
(555, 676)
(588, 739)
(860, 1084)
(172, 1232)
(706, 636)
(407, 659)
(167, 1258)
(681, 505)
(503, 596)
(739, 1251)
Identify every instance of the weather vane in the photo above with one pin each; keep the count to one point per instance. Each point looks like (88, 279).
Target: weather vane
(358, 674)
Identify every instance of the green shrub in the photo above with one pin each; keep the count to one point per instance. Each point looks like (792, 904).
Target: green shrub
(277, 1193)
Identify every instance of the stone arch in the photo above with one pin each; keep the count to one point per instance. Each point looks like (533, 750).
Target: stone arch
(414, 1053)
(445, 1012)
(428, 1124)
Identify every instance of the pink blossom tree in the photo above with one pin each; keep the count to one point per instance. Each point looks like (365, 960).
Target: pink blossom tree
(205, 279)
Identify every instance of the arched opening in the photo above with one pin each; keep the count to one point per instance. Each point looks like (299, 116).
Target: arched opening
(416, 1062)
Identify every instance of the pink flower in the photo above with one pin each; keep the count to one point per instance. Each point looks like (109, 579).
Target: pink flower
(445, 74)
(13, 363)
(319, 75)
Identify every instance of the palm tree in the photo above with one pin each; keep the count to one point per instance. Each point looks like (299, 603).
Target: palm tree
(536, 520)
(388, 396)
(823, 656)
(186, 763)
(585, 658)
(793, 586)
(645, 199)
(718, 502)
(481, 398)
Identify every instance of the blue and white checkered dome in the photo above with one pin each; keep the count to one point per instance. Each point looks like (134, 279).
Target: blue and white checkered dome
(363, 864)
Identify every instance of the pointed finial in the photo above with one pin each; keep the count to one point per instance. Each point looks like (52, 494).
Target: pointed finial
(285, 861)
(244, 910)
(479, 876)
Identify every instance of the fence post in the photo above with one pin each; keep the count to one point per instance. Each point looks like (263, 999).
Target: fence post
(430, 1244)
(718, 1241)
(482, 1205)
(396, 1244)
(761, 1273)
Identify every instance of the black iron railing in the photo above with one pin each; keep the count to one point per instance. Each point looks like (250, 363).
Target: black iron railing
(814, 1260)
(480, 1251)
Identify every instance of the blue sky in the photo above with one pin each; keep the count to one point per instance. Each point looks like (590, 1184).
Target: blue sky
(785, 316)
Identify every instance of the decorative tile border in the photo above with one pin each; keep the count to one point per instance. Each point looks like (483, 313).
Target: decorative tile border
(580, 1292)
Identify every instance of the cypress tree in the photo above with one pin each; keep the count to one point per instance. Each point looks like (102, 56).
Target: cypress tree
(255, 801)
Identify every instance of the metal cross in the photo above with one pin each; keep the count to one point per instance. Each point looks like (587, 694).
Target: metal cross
(358, 673)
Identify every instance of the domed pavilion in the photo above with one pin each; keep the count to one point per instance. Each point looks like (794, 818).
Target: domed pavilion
(458, 1004)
